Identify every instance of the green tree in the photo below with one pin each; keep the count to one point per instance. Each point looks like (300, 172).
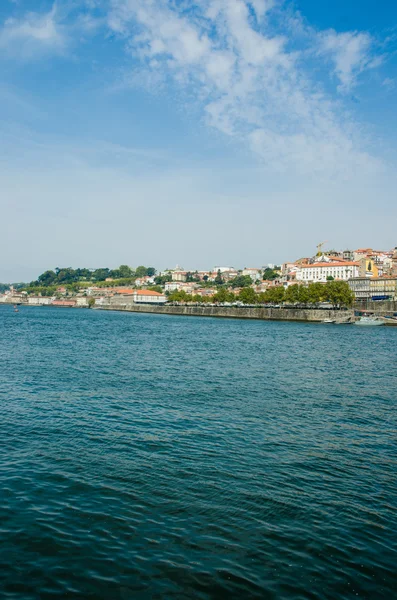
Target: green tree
(218, 278)
(339, 294)
(316, 292)
(223, 295)
(162, 279)
(83, 274)
(292, 294)
(156, 288)
(275, 294)
(47, 278)
(141, 271)
(91, 302)
(125, 271)
(241, 281)
(100, 274)
(303, 294)
(248, 296)
(270, 274)
(330, 278)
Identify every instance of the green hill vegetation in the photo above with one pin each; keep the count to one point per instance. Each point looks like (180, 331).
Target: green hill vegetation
(74, 279)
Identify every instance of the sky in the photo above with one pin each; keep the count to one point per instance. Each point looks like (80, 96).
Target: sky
(198, 133)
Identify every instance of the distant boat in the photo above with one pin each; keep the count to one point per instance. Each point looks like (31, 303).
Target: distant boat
(329, 321)
(369, 321)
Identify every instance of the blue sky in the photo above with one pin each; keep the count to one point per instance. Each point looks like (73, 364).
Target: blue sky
(170, 131)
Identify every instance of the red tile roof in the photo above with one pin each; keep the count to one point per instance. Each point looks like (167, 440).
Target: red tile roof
(147, 293)
(331, 264)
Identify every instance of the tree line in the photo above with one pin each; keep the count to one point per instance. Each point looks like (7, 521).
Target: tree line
(337, 293)
(69, 277)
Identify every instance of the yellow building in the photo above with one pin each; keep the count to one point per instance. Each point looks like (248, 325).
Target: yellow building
(374, 288)
(368, 268)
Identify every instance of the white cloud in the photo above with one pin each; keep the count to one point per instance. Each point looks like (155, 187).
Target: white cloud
(35, 33)
(389, 83)
(248, 81)
(351, 52)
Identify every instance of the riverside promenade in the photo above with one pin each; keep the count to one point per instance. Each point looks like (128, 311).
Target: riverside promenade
(234, 312)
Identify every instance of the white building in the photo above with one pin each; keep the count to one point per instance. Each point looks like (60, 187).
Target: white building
(172, 286)
(40, 300)
(224, 269)
(179, 275)
(320, 271)
(148, 297)
(253, 273)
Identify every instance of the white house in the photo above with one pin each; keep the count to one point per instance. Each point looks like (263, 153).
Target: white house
(172, 286)
(343, 270)
(148, 297)
(224, 269)
(253, 273)
(40, 300)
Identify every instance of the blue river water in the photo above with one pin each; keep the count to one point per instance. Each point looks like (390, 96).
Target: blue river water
(148, 456)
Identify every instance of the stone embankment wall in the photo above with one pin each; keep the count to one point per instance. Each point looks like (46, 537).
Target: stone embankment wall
(269, 314)
(385, 307)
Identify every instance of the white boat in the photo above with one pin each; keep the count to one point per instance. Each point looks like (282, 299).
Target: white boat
(329, 321)
(369, 321)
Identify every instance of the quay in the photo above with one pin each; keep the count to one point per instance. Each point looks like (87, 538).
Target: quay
(235, 312)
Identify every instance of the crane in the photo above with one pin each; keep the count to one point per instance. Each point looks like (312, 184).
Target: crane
(320, 247)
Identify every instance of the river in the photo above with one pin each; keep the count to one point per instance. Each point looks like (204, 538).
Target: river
(149, 456)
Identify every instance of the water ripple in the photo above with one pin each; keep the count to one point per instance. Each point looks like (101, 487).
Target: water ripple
(145, 456)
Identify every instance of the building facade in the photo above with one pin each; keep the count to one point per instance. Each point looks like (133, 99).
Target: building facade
(374, 288)
(148, 297)
(368, 268)
(179, 275)
(255, 274)
(322, 271)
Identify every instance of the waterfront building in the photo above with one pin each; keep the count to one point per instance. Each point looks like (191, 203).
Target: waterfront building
(82, 302)
(148, 297)
(343, 270)
(64, 303)
(394, 262)
(40, 300)
(374, 288)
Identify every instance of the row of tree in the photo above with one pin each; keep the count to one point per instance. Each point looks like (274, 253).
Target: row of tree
(68, 276)
(337, 293)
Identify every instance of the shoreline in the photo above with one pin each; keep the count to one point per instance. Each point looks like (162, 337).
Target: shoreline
(227, 312)
(297, 315)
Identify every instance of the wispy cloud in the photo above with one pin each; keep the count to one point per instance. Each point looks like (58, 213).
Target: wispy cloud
(55, 32)
(33, 34)
(246, 70)
(251, 82)
(351, 53)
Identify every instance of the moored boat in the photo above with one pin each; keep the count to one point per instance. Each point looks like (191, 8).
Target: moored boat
(369, 321)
